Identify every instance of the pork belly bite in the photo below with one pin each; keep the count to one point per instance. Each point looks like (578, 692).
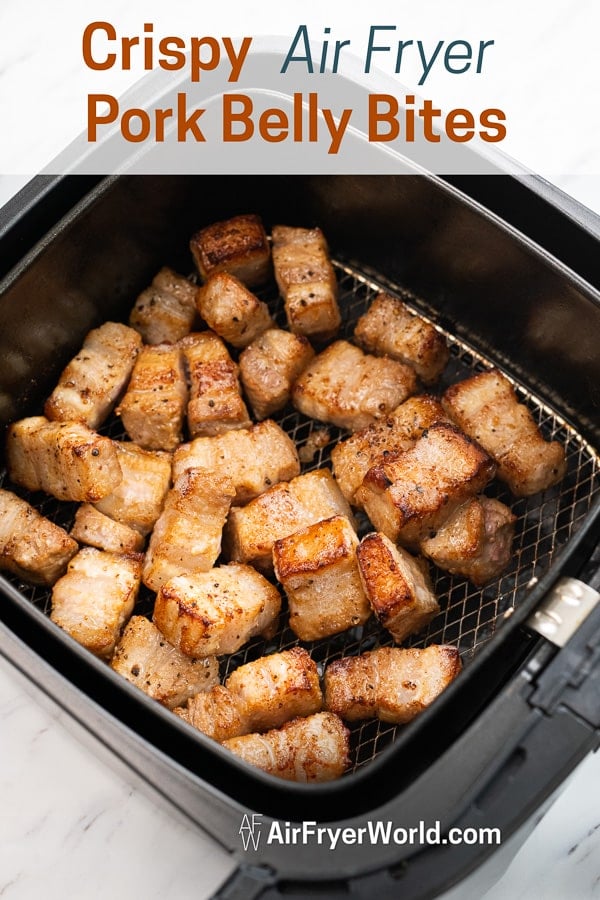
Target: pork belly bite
(318, 569)
(306, 281)
(389, 328)
(352, 389)
(392, 684)
(252, 530)
(145, 658)
(95, 598)
(93, 528)
(311, 749)
(165, 311)
(187, 535)
(215, 612)
(215, 402)
(64, 459)
(254, 458)
(31, 546)
(486, 408)
(154, 406)
(231, 310)
(475, 542)
(238, 245)
(410, 494)
(269, 368)
(138, 499)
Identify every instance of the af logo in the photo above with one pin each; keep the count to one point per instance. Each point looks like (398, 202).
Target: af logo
(250, 830)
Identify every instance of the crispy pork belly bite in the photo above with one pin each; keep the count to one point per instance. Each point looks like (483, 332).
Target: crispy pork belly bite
(238, 245)
(486, 408)
(397, 586)
(475, 542)
(95, 598)
(216, 612)
(145, 658)
(350, 388)
(231, 310)
(252, 530)
(254, 458)
(139, 496)
(408, 495)
(215, 403)
(318, 569)
(187, 535)
(311, 749)
(388, 328)
(269, 367)
(392, 684)
(93, 528)
(165, 311)
(94, 380)
(31, 546)
(65, 459)
(154, 406)
(306, 281)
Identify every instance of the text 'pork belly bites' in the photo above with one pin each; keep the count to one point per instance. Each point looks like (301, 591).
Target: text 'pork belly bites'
(231, 310)
(95, 529)
(269, 367)
(165, 311)
(238, 245)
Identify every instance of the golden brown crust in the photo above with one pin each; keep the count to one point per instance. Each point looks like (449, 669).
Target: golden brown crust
(165, 311)
(238, 245)
(269, 366)
(231, 310)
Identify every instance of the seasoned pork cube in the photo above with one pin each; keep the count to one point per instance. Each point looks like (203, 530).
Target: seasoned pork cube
(154, 407)
(65, 459)
(187, 535)
(397, 586)
(95, 598)
(311, 749)
(254, 458)
(165, 311)
(252, 530)
(350, 388)
(93, 528)
(475, 542)
(391, 683)
(145, 658)
(408, 495)
(486, 408)
(238, 245)
(388, 328)
(216, 612)
(139, 497)
(231, 310)
(318, 569)
(306, 281)
(94, 380)
(31, 546)
(215, 402)
(269, 368)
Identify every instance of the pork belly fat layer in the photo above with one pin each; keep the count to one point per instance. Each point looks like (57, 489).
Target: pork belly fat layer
(93, 528)
(238, 246)
(165, 311)
(138, 499)
(231, 310)
(269, 366)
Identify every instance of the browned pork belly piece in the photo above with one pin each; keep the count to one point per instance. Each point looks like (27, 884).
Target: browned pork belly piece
(352, 458)
(187, 535)
(389, 328)
(65, 459)
(231, 310)
(392, 684)
(93, 528)
(311, 749)
(408, 495)
(306, 281)
(138, 499)
(216, 612)
(259, 695)
(254, 458)
(238, 245)
(269, 366)
(215, 402)
(475, 542)
(397, 586)
(154, 406)
(486, 408)
(31, 546)
(165, 311)
(145, 658)
(95, 598)
(252, 530)
(352, 389)
(318, 569)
